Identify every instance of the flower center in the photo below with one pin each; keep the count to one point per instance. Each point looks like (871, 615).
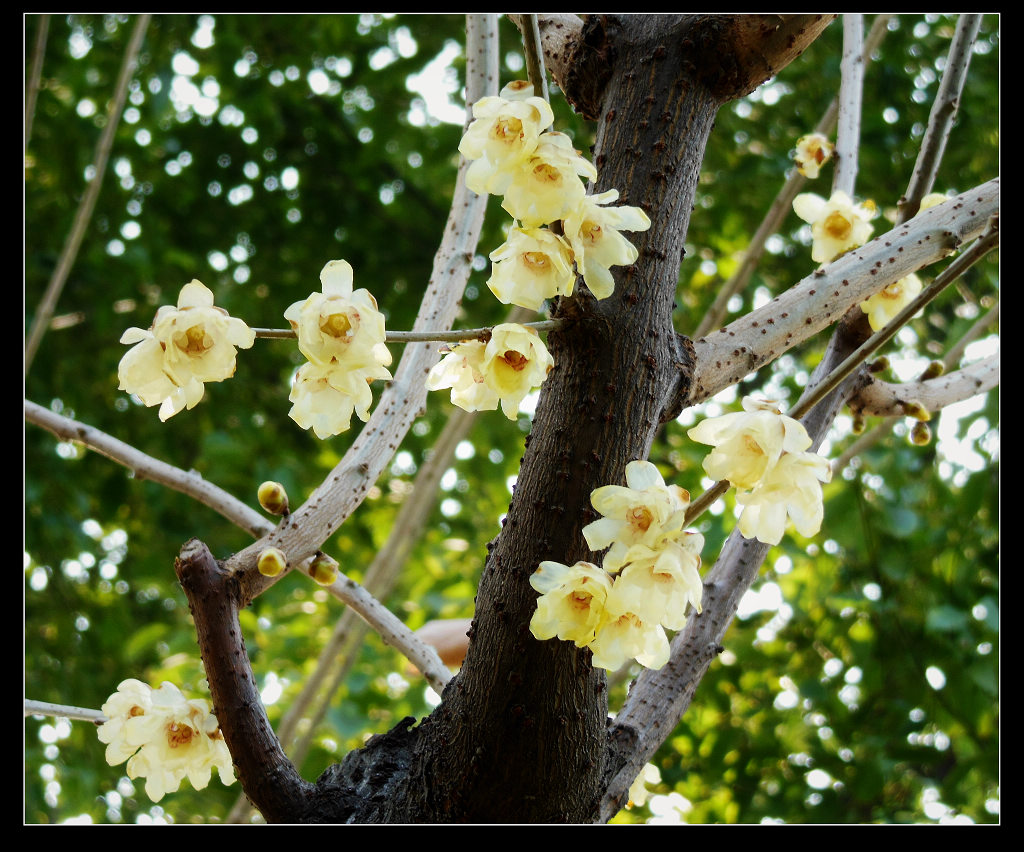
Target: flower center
(336, 325)
(838, 226)
(509, 130)
(546, 173)
(752, 446)
(580, 601)
(538, 260)
(591, 231)
(178, 735)
(136, 711)
(516, 360)
(640, 518)
(195, 341)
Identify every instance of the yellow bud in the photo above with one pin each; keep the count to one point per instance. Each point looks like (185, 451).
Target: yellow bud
(921, 434)
(858, 423)
(933, 371)
(879, 364)
(915, 409)
(273, 497)
(323, 569)
(271, 561)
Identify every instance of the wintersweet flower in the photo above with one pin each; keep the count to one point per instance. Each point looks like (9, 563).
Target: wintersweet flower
(532, 265)
(165, 738)
(504, 133)
(185, 347)
(661, 584)
(546, 187)
(886, 303)
(650, 775)
(571, 602)
(837, 225)
(932, 199)
(462, 370)
(593, 234)
(339, 325)
(812, 152)
(645, 512)
(749, 443)
(515, 361)
(792, 489)
(627, 636)
(324, 397)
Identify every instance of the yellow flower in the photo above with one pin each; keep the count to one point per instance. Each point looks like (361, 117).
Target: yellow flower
(791, 489)
(503, 134)
(749, 443)
(185, 347)
(164, 737)
(932, 199)
(885, 304)
(638, 791)
(660, 584)
(571, 602)
(462, 371)
(515, 361)
(812, 152)
(339, 325)
(532, 265)
(646, 513)
(837, 225)
(324, 397)
(546, 187)
(593, 234)
(626, 636)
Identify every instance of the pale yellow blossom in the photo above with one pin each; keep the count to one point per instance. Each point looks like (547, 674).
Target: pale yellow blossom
(645, 512)
(791, 489)
(340, 326)
(932, 199)
(837, 225)
(164, 737)
(571, 602)
(638, 791)
(593, 234)
(748, 443)
(546, 187)
(812, 152)
(324, 397)
(462, 371)
(515, 361)
(660, 585)
(886, 303)
(504, 133)
(532, 265)
(626, 637)
(185, 347)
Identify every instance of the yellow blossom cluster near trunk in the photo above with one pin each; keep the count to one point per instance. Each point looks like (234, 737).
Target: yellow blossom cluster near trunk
(763, 454)
(164, 737)
(648, 581)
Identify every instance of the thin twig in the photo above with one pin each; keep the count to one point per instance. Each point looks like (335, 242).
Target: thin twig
(454, 336)
(69, 253)
(35, 75)
(63, 711)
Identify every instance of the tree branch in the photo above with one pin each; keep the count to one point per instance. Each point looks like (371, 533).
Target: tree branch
(851, 92)
(742, 347)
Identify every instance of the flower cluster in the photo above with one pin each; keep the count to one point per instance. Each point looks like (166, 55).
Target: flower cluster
(185, 347)
(538, 172)
(763, 453)
(502, 370)
(164, 737)
(649, 577)
(812, 152)
(885, 304)
(341, 333)
(837, 224)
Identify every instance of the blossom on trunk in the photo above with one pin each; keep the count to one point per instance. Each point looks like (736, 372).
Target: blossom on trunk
(515, 361)
(546, 186)
(660, 585)
(532, 265)
(626, 636)
(748, 443)
(791, 490)
(886, 303)
(645, 512)
(571, 602)
(837, 225)
(462, 371)
(185, 347)
(593, 234)
(812, 152)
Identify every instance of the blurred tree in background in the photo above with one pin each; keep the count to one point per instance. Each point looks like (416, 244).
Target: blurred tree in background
(859, 682)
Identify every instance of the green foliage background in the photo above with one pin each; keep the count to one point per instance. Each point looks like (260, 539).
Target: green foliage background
(865, 691)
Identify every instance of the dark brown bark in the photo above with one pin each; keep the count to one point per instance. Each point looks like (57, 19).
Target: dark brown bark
(521, 734)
